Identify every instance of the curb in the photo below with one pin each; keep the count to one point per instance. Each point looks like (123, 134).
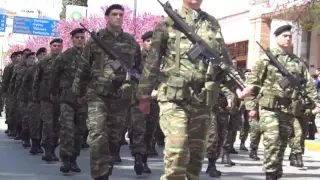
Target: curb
(312, 145)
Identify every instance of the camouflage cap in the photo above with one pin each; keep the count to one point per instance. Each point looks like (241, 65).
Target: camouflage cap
(56, 40)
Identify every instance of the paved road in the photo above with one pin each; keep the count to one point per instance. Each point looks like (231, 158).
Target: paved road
(17, 164)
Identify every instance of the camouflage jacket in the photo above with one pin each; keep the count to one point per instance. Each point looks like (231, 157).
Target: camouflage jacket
(25, 91)
(95, 68)
(12, 87)
(18, 82)
(7, 74)
(267, 77)
(43, 78)
(64, 70)
(163, 50)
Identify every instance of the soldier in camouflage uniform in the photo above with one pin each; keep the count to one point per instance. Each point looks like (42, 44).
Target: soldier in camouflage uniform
(217, 134)
(49, 105)
(278, 106)
(18, 108)
(109, 91)
(142, 126)
(1, 97)
(7, 74)
(72, 114)
(33, 110)
(184, 119)
(22, 98)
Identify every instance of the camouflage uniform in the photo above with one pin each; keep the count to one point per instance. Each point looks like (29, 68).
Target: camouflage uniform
(108, 96)
(245, 126)
(184, 119)
(22, 101)
(13, 114)
(32, 115)
(7, 74)
(73, 115)
(217, 134)
(275, 121)
(49, 110)
(1, 97)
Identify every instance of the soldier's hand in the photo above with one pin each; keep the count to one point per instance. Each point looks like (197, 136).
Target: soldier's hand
(144, 106)
(230, 103)
(253, 114)
(154, 94)
(246, 92)
(316, 110)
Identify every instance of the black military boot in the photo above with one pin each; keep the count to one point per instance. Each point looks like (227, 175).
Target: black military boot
(153, 151)
(74, 165)
(66, 165)
(226, 159)
(233, 151)
(138, 165)
(271, 176)
(160, 142)
(123, 141)
(47, 153)
(254, 155)
(146, 168)
(243, 146)
(26, 143)
(17, 137)
(293, 160)
(34, 147)
(299, 160)
(212, 169)
(116, 155)
(84, 145)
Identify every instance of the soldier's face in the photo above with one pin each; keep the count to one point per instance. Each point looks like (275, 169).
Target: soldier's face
(234, 62)
(115, 18)
(41, 55)
(56, 48)
(31, 59)
(19, 58)
(78, 40)
(285, 39)
(194, 4)
(146, 44)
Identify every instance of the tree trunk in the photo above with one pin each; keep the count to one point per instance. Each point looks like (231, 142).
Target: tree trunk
(71, 2)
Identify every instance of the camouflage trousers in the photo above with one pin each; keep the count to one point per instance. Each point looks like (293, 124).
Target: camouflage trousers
(143, 128)
(12, 113)
(245, 126)
(72, 128)
(234, 121)
(255, 134)
(296, 143)
(275, 128)
(106, 120)
(33, 115)
(23, 113)
(185, 127)
(50, 113)
(218, 131)
(9, 116)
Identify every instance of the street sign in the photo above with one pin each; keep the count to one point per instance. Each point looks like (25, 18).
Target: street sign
(34, 26)
(3, 19)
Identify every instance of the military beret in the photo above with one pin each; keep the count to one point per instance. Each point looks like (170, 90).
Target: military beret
(56, 40)
(247, 70)
(147, 35)
(26, 49)
(14, 54)
(41, 50)
(19, 53)
(30, 54)
(76, 31)
(282, 29)
(112, 7)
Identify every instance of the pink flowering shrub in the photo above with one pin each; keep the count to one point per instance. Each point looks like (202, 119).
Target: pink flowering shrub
(135, 26)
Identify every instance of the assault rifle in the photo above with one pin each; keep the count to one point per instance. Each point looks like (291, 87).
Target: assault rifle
(288, 79)
(117, 62)
(201, 48)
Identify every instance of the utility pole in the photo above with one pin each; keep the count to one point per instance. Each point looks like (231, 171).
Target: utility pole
(134, 16)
